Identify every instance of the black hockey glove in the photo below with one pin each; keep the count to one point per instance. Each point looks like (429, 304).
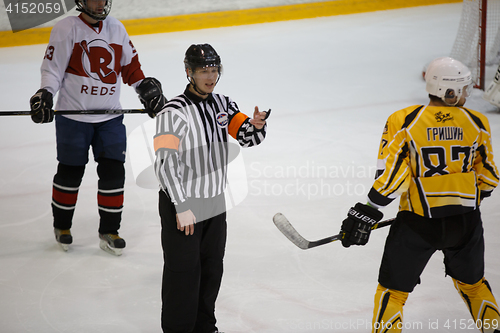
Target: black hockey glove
(357, 226)
(151, 96)
(41, 107)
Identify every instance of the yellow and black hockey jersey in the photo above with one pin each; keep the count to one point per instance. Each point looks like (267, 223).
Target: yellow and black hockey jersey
(438, 159)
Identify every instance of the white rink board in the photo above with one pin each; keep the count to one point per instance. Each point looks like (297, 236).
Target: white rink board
(135, 9)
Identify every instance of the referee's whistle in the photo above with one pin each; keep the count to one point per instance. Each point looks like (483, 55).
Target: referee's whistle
(268, 113)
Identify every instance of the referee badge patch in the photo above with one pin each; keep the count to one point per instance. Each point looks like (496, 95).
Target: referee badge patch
(222, 119)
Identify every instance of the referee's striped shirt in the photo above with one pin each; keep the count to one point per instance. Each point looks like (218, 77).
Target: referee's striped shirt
(191, 145)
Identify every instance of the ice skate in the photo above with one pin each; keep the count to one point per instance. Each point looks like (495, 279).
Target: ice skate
(112, 243)
(63, 237)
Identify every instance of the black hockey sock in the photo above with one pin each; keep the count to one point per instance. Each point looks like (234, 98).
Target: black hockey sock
(65, 188)
(110, 194)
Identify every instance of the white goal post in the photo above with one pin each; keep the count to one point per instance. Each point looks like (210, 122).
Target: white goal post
(477, 43)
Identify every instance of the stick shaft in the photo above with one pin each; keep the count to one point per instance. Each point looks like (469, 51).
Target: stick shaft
(337, 237)
(293, 235)
(116, 111)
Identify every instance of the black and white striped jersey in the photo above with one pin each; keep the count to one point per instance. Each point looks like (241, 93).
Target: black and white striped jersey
(191, 145)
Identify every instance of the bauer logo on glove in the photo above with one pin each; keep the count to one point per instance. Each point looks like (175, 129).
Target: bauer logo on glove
(361, 217)
(357, 226)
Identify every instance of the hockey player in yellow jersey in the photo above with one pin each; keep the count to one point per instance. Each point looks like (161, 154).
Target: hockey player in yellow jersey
(438, 159)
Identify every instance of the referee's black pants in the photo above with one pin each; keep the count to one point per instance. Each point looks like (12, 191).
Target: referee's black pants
(193, 266)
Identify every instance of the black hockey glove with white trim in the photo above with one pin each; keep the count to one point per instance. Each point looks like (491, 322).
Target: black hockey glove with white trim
(151, 96)
(41, 107)
(357, 226)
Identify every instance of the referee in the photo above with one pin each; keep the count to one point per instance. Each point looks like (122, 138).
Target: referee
(191, 147)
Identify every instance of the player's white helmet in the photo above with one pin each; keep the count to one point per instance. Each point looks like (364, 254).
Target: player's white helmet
(446, 78)
(98, 9)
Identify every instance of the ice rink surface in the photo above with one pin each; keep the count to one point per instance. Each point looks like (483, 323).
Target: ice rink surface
(331, 84)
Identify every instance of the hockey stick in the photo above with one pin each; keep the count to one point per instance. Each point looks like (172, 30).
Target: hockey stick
(116, 111)
(289, 231)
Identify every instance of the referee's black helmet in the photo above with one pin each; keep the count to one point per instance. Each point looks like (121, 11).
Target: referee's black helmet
(200, 56)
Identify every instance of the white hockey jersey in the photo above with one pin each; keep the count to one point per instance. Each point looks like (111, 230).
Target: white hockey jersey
(85, 63)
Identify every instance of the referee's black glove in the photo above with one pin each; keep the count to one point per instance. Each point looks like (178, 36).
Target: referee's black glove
(357, 226)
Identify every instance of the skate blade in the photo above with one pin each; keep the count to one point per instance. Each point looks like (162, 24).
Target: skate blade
(105, 246)
(65, 247)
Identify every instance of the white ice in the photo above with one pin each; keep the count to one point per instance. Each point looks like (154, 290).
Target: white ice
(331, 83)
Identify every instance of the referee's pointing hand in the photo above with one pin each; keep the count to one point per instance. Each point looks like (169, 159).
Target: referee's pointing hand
(258, 118)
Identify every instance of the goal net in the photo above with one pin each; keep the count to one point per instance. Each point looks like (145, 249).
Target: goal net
(477, 44)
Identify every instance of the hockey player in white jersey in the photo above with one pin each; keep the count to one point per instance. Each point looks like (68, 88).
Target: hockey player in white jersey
(85, 60)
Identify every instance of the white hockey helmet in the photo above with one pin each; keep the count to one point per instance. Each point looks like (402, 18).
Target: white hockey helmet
(446, 78)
